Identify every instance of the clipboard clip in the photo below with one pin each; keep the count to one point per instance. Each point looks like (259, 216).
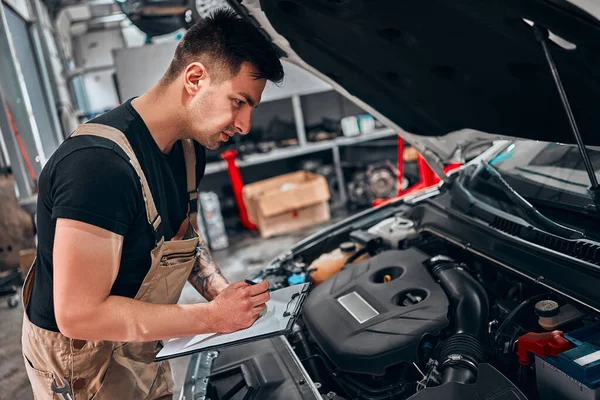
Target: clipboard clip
(295, 311)
(287, 311)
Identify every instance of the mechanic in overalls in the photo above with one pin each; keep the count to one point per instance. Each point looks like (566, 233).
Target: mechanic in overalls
(117, 230)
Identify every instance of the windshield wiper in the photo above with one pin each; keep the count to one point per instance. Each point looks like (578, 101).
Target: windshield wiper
(471, 205)
(541, 35)
(528, 211)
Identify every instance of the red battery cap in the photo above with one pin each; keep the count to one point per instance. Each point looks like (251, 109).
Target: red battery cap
(547, 344)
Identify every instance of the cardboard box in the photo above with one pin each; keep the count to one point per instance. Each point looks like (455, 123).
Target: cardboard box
(287, 202)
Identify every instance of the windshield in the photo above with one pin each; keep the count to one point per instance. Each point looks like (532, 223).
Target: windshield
(550, 172)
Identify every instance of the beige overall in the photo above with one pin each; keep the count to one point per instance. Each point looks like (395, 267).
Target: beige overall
(116, 370)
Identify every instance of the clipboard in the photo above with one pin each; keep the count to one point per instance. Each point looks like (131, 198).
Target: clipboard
(278, 319)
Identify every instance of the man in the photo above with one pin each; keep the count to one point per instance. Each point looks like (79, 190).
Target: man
(117, 234)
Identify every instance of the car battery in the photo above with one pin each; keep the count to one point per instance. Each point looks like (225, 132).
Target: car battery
(211, 221)
(573, 374)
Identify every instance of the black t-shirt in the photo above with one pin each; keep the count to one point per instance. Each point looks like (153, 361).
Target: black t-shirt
(89, 179)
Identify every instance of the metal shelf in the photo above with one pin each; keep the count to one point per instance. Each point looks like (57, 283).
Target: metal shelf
(288, 152)
(214, 167)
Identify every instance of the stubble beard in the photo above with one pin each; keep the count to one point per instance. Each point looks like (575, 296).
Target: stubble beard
(209, 140)
(214, 144)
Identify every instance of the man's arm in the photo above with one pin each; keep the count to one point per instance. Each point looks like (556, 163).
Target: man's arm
(86, 262)
(206, 276)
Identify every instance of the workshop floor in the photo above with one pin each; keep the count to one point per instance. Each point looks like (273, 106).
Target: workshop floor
(246, 255)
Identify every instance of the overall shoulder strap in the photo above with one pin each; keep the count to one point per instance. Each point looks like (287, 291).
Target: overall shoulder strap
(119, 138)
(189, 153)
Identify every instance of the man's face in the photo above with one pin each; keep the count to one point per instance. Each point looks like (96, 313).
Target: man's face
(221, 109)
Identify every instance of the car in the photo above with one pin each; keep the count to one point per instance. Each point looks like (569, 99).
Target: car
(483, 286)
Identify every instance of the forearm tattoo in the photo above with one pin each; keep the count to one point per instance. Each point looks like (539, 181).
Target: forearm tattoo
(206, 276)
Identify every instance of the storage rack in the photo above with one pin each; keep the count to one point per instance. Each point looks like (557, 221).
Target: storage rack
(294, 151)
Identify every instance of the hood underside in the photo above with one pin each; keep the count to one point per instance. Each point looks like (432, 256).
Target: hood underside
(436, 66)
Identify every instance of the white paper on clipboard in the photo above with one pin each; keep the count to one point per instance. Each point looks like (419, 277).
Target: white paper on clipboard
(281, 310)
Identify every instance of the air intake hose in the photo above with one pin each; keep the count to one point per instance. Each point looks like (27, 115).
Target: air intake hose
(462, 352)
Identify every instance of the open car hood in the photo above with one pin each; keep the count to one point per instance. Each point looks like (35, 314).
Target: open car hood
(432, 67)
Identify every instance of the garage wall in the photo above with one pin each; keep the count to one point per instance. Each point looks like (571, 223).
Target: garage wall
(14, 92)
(31, 86)
(139, 68)
(101, 91)
(93, 53)
(95, 49)
(64, 103)
(102, 53)
(133, 36)
(63, 23)
(31, 73)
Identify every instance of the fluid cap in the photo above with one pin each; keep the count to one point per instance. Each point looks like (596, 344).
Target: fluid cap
(348, 247)
(546, 308)
(296, 279)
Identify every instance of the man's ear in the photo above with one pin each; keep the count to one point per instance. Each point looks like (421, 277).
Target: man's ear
(194, 77)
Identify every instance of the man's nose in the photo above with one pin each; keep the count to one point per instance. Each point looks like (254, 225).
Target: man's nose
(243, 122)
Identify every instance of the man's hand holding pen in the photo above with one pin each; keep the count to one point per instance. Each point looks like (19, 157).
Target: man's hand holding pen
(238, 306)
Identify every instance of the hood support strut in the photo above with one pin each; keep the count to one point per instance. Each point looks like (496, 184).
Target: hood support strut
(541, 35)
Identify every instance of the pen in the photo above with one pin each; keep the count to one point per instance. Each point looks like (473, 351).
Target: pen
(249, 282)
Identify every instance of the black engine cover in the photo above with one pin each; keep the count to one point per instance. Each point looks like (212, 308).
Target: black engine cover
(392, 332)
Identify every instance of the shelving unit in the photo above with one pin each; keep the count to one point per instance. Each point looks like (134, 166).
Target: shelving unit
(289, 152)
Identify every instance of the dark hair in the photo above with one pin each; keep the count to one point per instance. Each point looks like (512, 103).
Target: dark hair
(222, 42)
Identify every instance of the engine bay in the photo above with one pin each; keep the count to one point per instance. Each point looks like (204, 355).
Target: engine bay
(396, 312)
(400, 313)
